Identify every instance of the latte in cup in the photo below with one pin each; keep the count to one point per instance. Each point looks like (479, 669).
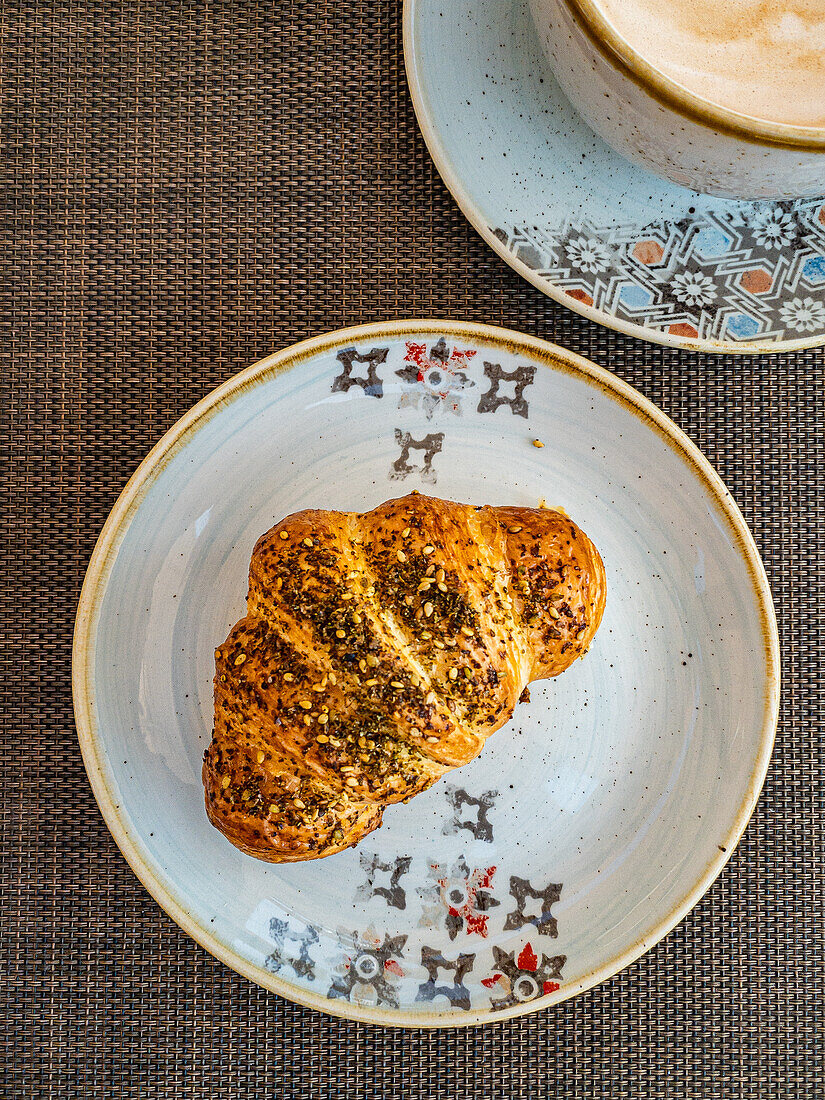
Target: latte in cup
(762, 58)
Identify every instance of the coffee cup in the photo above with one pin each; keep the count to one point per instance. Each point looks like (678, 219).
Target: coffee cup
(684, 105)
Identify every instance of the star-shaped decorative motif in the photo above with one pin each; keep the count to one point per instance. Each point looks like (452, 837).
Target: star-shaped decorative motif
(459, 897)
(430, 446)
(523, 977)
(492, 399)
(436, 379)
(544, 921)
(481, 827)
(368, 974)
(393, 893)
(454, 990)
(370, 383)
(293, 940)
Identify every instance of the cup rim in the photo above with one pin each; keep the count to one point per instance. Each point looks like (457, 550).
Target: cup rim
(670, 93)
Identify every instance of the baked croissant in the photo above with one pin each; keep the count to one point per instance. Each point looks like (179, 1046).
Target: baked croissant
(379, 651)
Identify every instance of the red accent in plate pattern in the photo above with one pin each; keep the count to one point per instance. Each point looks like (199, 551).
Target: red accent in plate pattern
(393, 967)
(580, 296)
(527, 960)
(491, 981)
(549, 987)
(648, 252)
(757, 281)
(474, 919)
(415, 352)
(683, 329)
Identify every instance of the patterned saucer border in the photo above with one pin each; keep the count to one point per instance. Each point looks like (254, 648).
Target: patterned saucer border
(720, 281)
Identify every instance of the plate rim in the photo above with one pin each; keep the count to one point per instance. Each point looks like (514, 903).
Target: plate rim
(468, 207)
(173, 441)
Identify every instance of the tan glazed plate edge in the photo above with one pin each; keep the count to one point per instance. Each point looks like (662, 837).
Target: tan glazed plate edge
(175, 439)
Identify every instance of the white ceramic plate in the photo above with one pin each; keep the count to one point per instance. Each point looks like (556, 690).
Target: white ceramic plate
(589, 826)
(591, 230)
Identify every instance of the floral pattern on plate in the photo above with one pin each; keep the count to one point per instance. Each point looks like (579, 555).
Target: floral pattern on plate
(755, 273)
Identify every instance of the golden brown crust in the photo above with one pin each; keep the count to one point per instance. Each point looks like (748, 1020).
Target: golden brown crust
(380, 650)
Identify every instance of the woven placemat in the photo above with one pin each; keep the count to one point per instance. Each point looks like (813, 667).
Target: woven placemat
(187, 187)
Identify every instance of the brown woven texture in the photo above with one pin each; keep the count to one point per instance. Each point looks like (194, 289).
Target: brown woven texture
(186, 188)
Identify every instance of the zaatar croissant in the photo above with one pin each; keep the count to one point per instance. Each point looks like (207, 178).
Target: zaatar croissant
(379, 651)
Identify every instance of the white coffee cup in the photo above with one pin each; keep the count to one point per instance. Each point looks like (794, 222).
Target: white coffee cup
(656, 122)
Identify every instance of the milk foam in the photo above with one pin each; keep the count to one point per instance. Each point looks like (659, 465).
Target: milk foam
(761, 58)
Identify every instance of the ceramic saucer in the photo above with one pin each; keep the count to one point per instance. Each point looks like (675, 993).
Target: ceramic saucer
(588, 826)
(592, 231)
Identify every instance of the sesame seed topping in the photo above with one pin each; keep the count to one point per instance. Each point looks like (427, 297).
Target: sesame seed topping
(370, 683)
(308, 542)
(288, 677)
(514, 530)
(440, 575)
(402, 557)
(259, 756)
(428, 550)
(432, 740)
(372, 660)
(442, 587)
(553, 613)
(405, 534)
(467, 631)
(362, 664)
(305, 703)
(396, 684)
(453, 673)
(425, 586)
(348, 596)
(425, 634)
(284, 535)
(322, 739)
(428, 609)
(356, 618)
(225, 782)
(279, 583)
(239, 660)
(340, 634)
(351, 781)
(537, 443)
(333, 679)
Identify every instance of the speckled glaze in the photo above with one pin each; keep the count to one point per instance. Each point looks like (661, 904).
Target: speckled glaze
(672, 135)
(588, 826)
(600, 234)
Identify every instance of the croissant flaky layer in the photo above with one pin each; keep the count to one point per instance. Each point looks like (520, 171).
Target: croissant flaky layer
(380, 650)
